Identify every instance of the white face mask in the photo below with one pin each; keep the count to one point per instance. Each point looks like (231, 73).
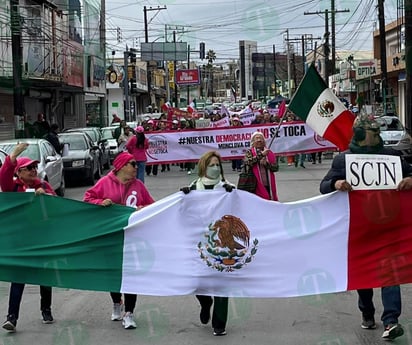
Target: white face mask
(213, 172)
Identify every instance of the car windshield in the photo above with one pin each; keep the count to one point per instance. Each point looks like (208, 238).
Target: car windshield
(76, 142)
(107, 133)
(32, 151)
(92, 135)
(390, 124)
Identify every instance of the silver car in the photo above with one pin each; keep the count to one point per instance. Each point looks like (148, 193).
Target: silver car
(50, 167)
(108, 134)
(82, 158)
(395, 136)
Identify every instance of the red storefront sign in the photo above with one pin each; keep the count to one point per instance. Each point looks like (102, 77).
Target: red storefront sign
(187, 77)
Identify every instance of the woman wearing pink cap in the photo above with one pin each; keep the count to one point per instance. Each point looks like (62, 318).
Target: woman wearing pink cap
(20, 175)
(137, 146)
(120, 186)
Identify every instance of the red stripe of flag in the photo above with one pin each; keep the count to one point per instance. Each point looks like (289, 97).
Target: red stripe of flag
(380, 239)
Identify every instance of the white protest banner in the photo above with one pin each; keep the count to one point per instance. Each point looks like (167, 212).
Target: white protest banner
(232, 142)
(365, 172)
(223, 122)
(246, 116)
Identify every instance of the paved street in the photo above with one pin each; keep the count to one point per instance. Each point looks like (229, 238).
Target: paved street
(83, 317)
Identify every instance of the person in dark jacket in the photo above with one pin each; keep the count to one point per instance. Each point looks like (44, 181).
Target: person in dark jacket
(20, 175)
(211, 177)
(367, 140)
(53, 138)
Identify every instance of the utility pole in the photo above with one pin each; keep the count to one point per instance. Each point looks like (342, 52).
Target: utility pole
(174, 68)
(188, 67)
(16, 49)
(274, 70)
(382, 40)
(408, 63)
(288, 62)
(146, 39)
(146, 25)
(126, 85)
(329, 69)
(302, 40)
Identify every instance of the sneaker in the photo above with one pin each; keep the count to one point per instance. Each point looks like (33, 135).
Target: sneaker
(47, 316)
(368, 322)
(10, 323)
(219, 332)
(128, 321)
(189, 172)
(117, 312)
(392, 331)
(302, 165)
(205, 314)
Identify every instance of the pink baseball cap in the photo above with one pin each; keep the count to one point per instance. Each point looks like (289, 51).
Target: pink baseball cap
(139, 129)
(23, 162)
(121, 160)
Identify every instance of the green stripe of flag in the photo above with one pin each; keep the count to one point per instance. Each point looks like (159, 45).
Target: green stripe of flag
(61, 242)
(307, 93)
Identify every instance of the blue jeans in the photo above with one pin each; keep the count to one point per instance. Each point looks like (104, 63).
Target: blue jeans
(16, 294)
(391, 301)
(140, 170)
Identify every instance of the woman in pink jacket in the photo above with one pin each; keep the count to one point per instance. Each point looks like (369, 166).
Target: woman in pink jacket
(263, 163)
(20, 175)
(120, 186)
(137, 146)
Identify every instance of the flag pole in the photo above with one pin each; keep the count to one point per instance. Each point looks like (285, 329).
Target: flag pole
(280, 122)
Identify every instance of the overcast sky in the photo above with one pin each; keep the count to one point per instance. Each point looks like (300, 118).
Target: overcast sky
(221, 24)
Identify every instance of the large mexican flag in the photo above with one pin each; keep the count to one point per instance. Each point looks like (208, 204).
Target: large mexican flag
(321, 109)
(210, 242)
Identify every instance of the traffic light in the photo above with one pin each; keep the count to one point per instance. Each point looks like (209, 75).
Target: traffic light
(133, 86)
(202, 50)
(132, 55)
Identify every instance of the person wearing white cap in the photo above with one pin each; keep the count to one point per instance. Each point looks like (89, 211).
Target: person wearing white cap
(263, 163)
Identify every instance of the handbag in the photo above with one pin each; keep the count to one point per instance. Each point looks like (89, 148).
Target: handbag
(247, 180)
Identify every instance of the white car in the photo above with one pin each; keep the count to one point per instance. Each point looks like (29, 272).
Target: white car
(395, 136)
(108, 134)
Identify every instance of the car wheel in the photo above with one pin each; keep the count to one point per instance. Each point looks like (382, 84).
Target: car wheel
(62, 189)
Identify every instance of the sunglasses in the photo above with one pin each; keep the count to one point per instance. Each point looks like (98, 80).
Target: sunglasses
(133, 164)
(30, 167)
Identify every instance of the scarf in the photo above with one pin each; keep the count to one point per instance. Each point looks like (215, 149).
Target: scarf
(355, 148)
(260, 188)
(202, 181)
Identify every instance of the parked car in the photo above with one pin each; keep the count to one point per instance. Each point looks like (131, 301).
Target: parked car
(50, 167)
(82, 160)
(3, 155)
(95, 134)
(395, 136)
(108, 134)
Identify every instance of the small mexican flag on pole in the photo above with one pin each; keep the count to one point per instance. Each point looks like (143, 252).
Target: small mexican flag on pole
(322, 110)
